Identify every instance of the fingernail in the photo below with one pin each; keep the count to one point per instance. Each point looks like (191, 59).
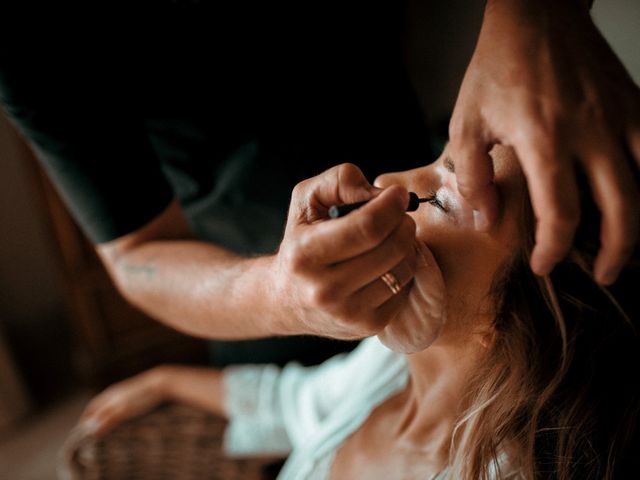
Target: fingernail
(480, 222)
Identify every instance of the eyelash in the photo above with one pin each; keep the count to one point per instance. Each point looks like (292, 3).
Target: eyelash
(432, 198)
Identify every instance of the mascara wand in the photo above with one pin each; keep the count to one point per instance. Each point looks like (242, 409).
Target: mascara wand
(337, 211)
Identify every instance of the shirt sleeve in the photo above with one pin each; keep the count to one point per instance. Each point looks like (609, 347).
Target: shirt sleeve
(82, 119)
(273, 410)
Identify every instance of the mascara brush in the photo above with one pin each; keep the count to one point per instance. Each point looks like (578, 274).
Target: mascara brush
(337, 211)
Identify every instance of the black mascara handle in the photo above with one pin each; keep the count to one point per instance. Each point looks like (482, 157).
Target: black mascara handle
(337, 211)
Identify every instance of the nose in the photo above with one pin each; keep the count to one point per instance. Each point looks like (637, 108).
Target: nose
(387, 179)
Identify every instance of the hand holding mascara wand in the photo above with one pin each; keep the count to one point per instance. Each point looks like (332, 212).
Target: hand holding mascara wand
(337, 211)
(419, 322)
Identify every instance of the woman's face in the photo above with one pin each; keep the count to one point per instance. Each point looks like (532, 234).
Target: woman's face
(468, 259)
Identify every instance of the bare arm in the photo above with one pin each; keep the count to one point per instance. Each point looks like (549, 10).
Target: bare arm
(200, 387)
(194, 286)
(197, 386)
(324, 279)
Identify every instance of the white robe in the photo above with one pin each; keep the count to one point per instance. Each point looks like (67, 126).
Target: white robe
(308, 412)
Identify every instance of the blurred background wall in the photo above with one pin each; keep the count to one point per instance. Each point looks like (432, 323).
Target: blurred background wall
(33, 315)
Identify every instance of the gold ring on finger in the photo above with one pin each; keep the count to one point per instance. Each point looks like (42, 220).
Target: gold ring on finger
(392, 282)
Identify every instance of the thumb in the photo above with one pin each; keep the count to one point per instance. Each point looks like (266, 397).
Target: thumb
(345, 183)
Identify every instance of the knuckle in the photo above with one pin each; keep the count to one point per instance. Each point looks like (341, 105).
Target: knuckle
(350, 174)
(301, 188)
(295, 260)
(474, 190)
(468, 187)
(562, 219)
(322, 295)
(369, 230)
(347, 169)
(543, 141)
(367, 326)
(545, 134)
(458, 129)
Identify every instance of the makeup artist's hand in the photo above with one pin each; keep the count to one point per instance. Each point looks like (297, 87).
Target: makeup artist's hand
(543, 80)
(328, 271)
(419, 322)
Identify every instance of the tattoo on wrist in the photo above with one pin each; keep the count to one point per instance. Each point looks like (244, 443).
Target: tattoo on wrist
(146, 271)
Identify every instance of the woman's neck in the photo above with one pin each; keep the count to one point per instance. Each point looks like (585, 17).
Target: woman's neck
(433, 400)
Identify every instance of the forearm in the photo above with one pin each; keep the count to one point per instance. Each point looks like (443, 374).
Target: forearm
(200, 387)
(200, 289)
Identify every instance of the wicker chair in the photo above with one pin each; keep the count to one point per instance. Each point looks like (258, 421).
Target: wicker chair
(173, 442)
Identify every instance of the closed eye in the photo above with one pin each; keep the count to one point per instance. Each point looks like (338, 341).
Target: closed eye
(433, 199)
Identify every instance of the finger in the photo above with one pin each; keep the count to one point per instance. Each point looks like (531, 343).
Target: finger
(379, 291)
(616, 195)
(353, 274)
(389, 310)
(474, 177)
(337, 240)
(555, 201)
(341, 184)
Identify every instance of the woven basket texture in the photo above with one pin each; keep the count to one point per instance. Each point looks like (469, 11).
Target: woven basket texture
(172, 442)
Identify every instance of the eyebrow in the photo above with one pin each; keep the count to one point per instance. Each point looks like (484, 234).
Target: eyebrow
(449, 165)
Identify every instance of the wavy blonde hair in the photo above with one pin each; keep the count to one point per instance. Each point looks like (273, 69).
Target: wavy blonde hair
(558, 394)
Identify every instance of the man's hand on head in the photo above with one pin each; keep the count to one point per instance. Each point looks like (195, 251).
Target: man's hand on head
(544, 81)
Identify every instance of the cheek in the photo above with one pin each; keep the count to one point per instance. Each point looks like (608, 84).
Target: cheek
(468, 259)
